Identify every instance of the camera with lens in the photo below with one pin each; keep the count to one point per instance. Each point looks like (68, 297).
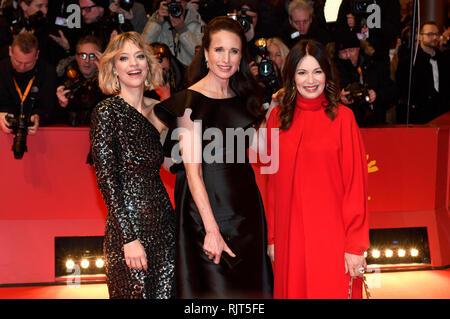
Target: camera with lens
(359, 93)
(19, 127)
(175, 8)
(244, 19)
(83, 96)
(360, 6)
(126, 4)
(266, 70)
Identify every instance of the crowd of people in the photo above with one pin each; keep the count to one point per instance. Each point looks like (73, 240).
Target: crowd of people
(137, 71)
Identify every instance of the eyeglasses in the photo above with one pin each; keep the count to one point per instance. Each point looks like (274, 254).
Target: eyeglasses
(87, 9)
(85, 56)
(431, 34)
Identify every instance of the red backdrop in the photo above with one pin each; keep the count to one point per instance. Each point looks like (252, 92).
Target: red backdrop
(51, 192)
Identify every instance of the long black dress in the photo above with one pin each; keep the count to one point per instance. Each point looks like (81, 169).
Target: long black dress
(236, 203)
(127, 156)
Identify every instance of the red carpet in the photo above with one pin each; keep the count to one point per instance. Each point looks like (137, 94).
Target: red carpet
(425, 284)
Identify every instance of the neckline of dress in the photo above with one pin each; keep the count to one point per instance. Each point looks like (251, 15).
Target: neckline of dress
(212, 98)
(311, 104)
(142, 115)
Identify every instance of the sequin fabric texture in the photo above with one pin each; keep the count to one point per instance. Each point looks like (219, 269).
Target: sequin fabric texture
(127, 156)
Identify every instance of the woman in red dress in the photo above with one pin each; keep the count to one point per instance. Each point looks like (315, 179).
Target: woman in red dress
(317, 200)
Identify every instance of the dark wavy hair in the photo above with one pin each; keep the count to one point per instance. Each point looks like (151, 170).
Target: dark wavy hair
(332, 93)
(242, 82)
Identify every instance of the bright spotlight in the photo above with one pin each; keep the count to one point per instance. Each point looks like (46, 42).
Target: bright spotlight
(376, 253)
(99, 263)
(85, 263)
(389, 253)
(401, 253)
(70, 264)
(414, 252)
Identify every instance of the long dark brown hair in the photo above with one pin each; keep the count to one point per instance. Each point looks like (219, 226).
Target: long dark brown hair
(332, 93)
(242, 82)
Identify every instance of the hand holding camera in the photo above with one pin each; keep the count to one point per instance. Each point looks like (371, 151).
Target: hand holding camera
(171, 11)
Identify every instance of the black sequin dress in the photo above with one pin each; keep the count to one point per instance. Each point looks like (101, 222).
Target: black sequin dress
(235, 201)
(127, 156)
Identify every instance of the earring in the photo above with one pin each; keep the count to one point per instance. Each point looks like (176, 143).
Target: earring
(207, 65)
(117, 84)
(146, 82)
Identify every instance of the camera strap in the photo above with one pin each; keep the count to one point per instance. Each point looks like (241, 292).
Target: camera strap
(361, 78)
(23, 96)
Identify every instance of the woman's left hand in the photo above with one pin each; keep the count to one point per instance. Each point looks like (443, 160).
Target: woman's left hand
(355, 264)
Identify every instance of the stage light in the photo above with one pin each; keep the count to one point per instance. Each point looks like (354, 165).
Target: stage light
(99, 263)
(401, 253)
(389, 253)
(85, 263)
(70, 264)
(376, 253)
(414, 252)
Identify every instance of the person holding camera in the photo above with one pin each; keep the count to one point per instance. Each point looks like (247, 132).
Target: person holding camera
(27, 85)
(178, 25)
(79, 92)
(353, 15)
(366, 84)
(31, 16)
(99, 21)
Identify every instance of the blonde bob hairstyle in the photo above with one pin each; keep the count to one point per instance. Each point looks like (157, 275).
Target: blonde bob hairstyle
(109, 82)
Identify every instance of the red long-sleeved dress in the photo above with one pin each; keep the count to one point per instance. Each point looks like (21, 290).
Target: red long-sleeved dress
(317, 202)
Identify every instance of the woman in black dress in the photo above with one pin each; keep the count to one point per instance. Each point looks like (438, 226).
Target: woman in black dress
(221, 231)
(139, 237)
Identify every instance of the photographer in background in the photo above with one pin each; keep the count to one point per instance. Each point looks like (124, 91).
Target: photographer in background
(99, 21)
(366, 85)
(352, 15)
(79, 92)
(31, 16)
(268, 66)
(26, 80)
(302, 25)
(173, 73)
(131, 10)
(178, 25)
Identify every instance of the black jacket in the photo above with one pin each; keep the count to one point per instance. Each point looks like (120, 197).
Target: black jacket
(45, 97)
(426, 102)
(376, 76)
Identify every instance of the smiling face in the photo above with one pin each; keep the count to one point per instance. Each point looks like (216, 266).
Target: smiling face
(309, 78)
(224, 54)
(131, 66)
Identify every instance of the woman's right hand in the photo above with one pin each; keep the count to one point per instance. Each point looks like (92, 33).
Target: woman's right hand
(271, 251)
(135, 255)
(214, 245)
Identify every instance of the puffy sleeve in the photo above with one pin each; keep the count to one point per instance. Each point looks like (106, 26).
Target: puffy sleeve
(270, 200)
(354, 172)
(105, 148)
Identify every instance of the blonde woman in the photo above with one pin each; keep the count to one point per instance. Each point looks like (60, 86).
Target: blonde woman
(278, 51)
(125, 135)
